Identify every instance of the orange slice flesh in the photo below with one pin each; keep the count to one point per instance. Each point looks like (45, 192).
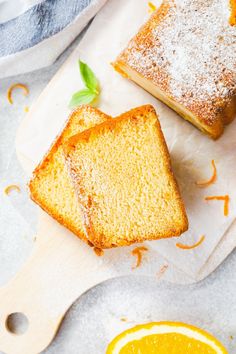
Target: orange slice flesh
(165, 338)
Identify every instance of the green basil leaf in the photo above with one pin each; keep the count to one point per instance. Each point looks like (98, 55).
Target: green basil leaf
(88, 77)
(84, 96)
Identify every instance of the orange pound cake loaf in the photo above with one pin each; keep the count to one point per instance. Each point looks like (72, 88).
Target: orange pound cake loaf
(51, 187)
(185, 55)
(122, 173)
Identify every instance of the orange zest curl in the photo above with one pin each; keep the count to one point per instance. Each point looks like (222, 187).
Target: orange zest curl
(186, 247)
(138, 253)
(211, 180)
(13, 87)
(225, 198)
(152, 7)
(10, 188)
(232, 19)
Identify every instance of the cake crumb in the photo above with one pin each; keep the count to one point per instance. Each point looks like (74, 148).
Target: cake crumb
(98, 251)
(123, 319)
(162, 270)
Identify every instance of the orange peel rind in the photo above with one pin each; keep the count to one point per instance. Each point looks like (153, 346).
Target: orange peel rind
(210, 181)
(225, 198)
(138, 253)
(13, 87)
(187, 247)
(165, 337)
(12, 187)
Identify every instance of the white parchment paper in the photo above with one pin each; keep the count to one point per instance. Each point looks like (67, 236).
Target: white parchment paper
(191, 151)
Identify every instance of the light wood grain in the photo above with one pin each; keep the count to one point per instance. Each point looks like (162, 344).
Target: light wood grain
(59, 270)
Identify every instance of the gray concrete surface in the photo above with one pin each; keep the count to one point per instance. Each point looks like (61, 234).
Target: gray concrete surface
(96, 316)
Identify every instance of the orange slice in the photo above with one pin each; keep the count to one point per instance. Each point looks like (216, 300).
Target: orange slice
(165, 338)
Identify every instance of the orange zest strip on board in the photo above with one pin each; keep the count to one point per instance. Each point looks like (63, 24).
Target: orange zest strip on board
(10, 188)
(162, 270)
(152, 7)
(232, 19)
(211, 180)
(225, 198)
(138, 253)
(186, 247)
(13, 87)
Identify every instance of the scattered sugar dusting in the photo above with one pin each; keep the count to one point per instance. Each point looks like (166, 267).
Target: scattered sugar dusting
(191, 52)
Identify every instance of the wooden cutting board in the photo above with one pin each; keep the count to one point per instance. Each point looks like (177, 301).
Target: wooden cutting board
(62, 267)
(59, 270)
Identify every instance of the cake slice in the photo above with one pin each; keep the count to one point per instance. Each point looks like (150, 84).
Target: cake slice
(51, 187)
(185, 56)
(122, 173)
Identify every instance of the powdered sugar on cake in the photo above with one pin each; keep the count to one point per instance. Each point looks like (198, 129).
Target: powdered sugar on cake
(191, 52)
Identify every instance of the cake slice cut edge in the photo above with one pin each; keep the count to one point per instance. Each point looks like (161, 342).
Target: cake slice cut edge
(122, 173)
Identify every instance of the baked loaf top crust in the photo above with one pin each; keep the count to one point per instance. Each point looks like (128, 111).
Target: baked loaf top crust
(188, 49)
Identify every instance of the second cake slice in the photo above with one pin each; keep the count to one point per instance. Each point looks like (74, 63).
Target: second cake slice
(122, 174)
(50, 186)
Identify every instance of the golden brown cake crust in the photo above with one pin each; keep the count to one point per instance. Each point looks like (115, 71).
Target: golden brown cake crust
(187, 49)
(75, 119)
(96, 236)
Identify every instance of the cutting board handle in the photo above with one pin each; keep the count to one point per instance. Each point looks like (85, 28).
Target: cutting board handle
(18, 297)
(59, 270)
(25, 295)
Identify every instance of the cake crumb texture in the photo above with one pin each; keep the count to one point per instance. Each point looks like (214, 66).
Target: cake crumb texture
(51, 187)
(122, 173)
